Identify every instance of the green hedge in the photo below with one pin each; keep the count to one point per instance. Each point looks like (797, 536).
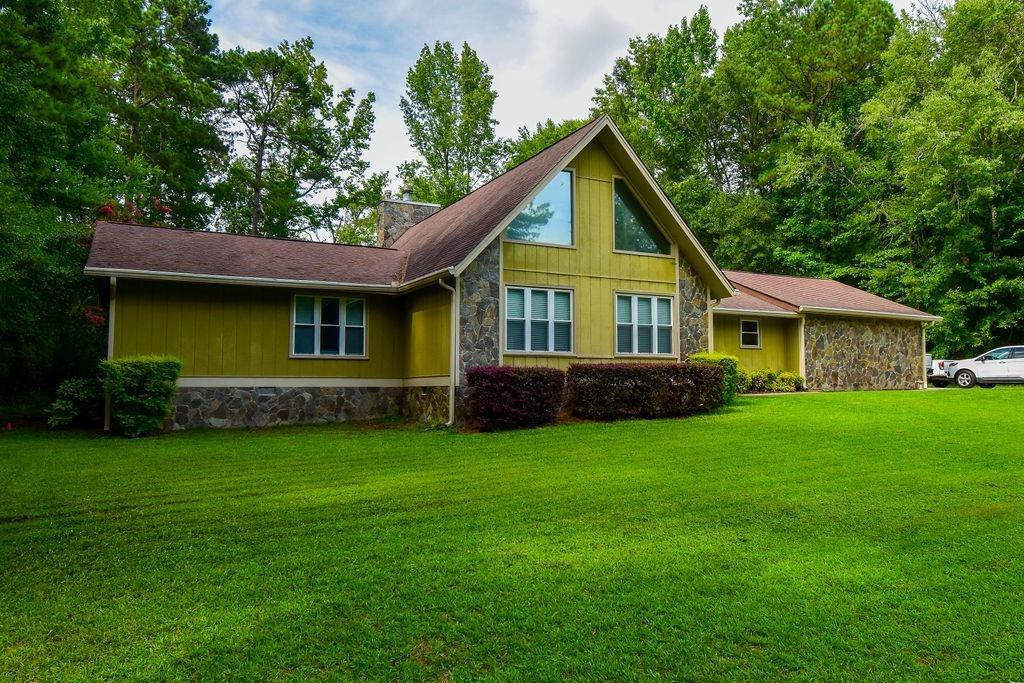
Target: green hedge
(508, 398)
(730, 367)
(140, 390)
(770, 382)
(79, 403)
(612, 391)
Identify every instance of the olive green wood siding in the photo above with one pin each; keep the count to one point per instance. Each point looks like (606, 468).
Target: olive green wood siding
(428, 332)
(240, 331)
(780, 342)
(591, 268)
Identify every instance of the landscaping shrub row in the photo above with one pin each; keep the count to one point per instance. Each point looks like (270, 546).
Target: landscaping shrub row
(504, 397)
(140, 390)
(612, 391)
(730, 367)
(769, 381)
(508, 397)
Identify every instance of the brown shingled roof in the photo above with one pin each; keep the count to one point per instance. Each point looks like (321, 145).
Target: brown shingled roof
(221, 255)
(447, 239)
(810, 294)
(750, 302)
(444, 239)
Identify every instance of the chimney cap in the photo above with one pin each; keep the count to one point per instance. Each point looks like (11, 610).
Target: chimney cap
(406, 193)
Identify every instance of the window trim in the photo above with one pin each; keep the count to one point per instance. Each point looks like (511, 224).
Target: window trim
(654, 296)
(343, 301)
(756, 322)
(572, 218)
(571, 291)
(672, 246)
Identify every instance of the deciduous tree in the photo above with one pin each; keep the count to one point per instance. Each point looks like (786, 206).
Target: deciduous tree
(448, 107)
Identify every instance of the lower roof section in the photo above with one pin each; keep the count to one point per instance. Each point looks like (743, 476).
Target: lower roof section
(167, 253)
(788, 296)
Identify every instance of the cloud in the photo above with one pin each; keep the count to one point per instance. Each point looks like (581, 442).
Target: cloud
(547, 56)
(584, 50)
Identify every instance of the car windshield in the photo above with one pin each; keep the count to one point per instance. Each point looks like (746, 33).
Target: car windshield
(998, 354)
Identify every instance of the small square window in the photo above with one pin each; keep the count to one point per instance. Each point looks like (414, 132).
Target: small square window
(750, 334)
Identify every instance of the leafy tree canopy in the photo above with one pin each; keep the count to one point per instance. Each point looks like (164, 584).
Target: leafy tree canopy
(447, 107)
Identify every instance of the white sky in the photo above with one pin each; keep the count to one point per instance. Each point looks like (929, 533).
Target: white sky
(547, 57)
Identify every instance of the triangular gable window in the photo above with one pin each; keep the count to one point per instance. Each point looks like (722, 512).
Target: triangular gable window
(548, 218)
(635, 230)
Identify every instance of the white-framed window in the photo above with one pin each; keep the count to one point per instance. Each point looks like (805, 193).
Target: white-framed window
(538, 320)
(643, 324)
(750, 334)
(328, 326)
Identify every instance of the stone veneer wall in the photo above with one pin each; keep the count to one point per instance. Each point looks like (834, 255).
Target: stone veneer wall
(693, 311)
(426, 404)
(250, 407)
(479, 316)
(479, 296)
(394, 217)
(253, 407)
(862, 353)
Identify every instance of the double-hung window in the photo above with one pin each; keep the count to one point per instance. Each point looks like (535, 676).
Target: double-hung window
(750, 334)
(643, 324)
(328, 326)
(538, 320)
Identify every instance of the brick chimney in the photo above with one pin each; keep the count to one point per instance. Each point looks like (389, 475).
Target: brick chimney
(395, 216)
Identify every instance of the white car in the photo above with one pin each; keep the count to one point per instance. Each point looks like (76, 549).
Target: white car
(1004, 365)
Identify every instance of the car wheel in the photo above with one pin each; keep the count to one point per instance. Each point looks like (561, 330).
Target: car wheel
(940, 384)
(965, 379)
(987, 386)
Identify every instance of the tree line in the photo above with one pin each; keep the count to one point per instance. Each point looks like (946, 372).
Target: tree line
(827, 138)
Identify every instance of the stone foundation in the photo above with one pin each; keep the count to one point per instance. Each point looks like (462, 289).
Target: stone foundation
(862, 353)
(426, 404)
(267, 407)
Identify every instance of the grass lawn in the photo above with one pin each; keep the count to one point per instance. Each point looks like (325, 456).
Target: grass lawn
(836, 536)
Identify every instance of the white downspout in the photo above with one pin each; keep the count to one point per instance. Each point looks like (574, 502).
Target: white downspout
(110, 348)
(453, 369)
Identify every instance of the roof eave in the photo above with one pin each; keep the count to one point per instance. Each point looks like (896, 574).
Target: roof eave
(745, 311)
(719, 285)
(239, 280)
(860, 313)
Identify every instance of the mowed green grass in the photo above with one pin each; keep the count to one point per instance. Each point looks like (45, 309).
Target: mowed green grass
(820, 536)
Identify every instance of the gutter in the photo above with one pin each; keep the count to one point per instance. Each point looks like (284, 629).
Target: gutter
(238, 280)
(870, 314)
(763, 314)
(453, 369)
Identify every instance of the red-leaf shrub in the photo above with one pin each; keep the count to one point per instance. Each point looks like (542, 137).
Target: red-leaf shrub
(507, 398)
(611, 391)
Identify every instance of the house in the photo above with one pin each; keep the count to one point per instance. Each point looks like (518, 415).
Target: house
(835, 335)
(574, 255)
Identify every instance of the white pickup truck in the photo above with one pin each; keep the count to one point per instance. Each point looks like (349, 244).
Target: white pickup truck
(936, 370)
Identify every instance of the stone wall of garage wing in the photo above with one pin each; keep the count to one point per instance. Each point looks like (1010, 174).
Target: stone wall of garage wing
(862, 353)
